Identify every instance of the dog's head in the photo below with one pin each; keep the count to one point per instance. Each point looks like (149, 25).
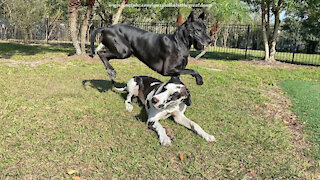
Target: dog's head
(197, 31)
(171, 94)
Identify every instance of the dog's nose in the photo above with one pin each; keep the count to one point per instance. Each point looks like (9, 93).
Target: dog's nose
(161, 106)
(154, 100)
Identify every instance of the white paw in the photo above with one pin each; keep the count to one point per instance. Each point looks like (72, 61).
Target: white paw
(210, 138)
(166, 141)
(129, 107)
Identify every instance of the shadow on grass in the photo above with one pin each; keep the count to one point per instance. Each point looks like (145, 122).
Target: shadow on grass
(224, 56)
(106, 85)
(101, 85)
(142, 116)
(7, 49)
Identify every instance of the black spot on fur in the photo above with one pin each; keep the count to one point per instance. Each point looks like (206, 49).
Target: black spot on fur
(148, 105)
(150, 125)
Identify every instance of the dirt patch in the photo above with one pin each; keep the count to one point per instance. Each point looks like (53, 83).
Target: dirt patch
(279, 108)
(14, 63)
(275, 64)
(192, 60)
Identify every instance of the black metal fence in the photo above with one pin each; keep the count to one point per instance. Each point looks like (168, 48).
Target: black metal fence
(232, 42)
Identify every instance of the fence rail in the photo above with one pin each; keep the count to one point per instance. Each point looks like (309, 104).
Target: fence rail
(233, 42)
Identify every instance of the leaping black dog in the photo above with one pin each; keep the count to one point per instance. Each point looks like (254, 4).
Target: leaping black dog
(166, 54)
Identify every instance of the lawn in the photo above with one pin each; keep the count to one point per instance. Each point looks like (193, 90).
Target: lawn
(51, 124)
(306, 104)
(224, 53)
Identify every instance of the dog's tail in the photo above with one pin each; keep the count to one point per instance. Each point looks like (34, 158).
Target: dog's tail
(92, 39)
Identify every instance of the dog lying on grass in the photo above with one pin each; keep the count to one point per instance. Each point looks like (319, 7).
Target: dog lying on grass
(162, 100)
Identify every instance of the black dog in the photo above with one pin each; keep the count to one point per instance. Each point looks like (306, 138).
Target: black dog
(166, 54)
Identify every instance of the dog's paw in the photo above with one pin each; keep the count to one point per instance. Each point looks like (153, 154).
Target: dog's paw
(112, 73)
(210, 138)
(166, 141)
(129, 107)
(199, 80)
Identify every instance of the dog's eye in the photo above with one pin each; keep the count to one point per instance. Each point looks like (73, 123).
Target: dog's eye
(175, 96)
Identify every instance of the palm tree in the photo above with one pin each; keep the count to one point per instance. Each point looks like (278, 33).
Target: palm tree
(84, 28)
(74, 6)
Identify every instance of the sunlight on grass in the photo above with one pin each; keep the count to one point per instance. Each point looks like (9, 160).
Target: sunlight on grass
(306, 104)
(50, 124)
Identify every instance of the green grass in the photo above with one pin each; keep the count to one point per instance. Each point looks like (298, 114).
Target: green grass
(222, 53)
(19, 51)
(49, 124)
(306, 104)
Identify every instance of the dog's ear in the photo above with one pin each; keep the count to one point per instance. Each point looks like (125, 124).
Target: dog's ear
(185, 92)
(201, 16)
(139, 82)
(191, 16)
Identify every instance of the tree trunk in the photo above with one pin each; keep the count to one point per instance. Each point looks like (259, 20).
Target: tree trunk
(30, 34)
(53, 24)
(225, 36)
(117, 17)
(264, 32)
(14, 33)
(84, 28)
(5, 33)
(73, 9)
(274, 37)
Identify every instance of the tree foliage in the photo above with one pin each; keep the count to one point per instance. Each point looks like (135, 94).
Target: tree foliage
(303, 23)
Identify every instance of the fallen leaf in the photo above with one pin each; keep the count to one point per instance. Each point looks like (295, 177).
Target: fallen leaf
(251, 171)
(229, 169)
(76, 178)
(285, 122)
(71, 171)
(181, 157)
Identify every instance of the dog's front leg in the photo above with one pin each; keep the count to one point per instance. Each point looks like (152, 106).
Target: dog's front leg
(180, 118)
(153, 123)
(192, 72)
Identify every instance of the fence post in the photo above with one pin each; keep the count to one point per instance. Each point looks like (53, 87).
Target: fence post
(294, 47)
(248, 33)
(47, 30)
(167, 26)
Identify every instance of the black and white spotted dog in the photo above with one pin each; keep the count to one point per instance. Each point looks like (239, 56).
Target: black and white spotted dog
(161, 101)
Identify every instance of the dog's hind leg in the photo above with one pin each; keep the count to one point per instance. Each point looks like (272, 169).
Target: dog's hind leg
(180, 118)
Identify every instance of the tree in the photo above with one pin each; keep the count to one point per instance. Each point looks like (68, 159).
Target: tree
(309, 14)
(23, 14)
(117, 17)
(224, 12)
(74, 6)
(84, 28)
(270, 15)
(56, 10)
